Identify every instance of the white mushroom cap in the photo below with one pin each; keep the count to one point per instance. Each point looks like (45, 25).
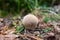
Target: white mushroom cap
(30, 21)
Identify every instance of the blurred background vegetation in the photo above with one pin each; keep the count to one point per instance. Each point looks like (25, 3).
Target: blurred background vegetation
(22, 7)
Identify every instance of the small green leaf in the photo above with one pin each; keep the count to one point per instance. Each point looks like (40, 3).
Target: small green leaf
(46, 19)
(54, 19)
(47, 30)
(19, 29)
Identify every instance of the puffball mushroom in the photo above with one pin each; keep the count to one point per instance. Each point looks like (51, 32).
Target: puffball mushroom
(30, 21)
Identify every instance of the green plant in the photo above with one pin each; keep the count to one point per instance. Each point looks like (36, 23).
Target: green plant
(19, 29)
(15, 6)
(46, 19)
(54, 19)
